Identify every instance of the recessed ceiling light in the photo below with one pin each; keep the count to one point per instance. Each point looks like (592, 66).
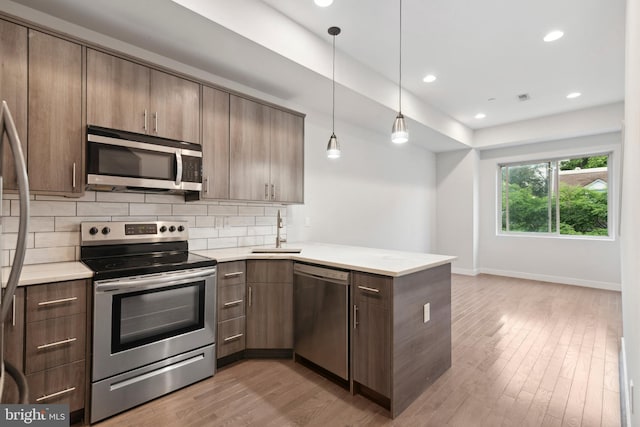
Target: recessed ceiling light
(323, 3)
(429, 78)
(480, 116)
(573, 95)
(553, 36)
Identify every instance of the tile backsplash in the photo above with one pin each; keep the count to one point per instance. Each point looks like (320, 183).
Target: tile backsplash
(54, 226)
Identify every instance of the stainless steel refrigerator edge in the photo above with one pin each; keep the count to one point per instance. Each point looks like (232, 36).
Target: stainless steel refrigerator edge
(321, 317)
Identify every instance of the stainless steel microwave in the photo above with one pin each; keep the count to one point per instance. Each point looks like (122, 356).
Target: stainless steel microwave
(127, 161)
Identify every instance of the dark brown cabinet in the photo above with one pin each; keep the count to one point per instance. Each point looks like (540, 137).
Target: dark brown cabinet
(231, 335)
(124, 95)
(266, 152)
(13, 339)
(215, 144)
(269, 304)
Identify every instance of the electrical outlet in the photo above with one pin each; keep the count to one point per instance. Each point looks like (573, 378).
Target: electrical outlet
(427, 312)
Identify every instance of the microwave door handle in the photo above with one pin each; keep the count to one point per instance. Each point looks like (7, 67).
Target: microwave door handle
(178, 168)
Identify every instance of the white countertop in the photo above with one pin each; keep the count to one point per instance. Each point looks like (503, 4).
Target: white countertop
(46, 273)
(378, 261)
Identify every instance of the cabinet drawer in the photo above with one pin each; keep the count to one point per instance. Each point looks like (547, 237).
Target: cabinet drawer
(64, 384)
(231, 302)
(56, 300)
(231, 336)
(55, 342)
(372, 289)
(231, 273)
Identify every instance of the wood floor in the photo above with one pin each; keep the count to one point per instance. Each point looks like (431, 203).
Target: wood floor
(524, 354)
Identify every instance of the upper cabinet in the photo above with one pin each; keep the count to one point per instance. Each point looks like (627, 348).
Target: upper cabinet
(13, 89)
(266, 153)
(55, 135)
(128, 96)
(215, 144)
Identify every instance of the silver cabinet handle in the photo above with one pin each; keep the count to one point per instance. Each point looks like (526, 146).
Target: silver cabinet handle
(206, 186)
(232, 303)
(355, 316)
(59, 393)
(234, 274)
(73, 176)
(266, 191)
(54, 344)
(155, 118)
(178, 167)
(57, 301)
(144, 126)
(273, 192)
(233, 337)
(250, 297)
(367, 289)
(13, 314)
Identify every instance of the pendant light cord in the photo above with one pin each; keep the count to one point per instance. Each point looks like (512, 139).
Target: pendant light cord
(333, 79)
(400, 79)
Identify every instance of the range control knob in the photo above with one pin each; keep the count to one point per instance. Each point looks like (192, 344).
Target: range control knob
(181, 228)
(163, 229)
(93, 231)
(106, 230)
(172, 228)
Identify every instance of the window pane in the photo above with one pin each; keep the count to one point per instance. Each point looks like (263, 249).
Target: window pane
(527, 198)
(583, 191)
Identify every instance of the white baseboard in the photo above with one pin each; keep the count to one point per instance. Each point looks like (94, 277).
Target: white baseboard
(553, 279)
(464, 271)
(625, 383)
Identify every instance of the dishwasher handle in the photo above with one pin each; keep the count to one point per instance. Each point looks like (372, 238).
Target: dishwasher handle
(339, 277)
(323, 278)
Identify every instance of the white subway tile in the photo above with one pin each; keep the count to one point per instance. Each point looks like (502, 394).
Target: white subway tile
(43, 255)
(202, 233)
(163, 198)
(190, 220)
(120, 197)
(251, 210)
(188, 209)
(9, 240)
(205, 221)
(231, 203)
(223, 210)
(36, 223)
(56, 239)
(6, 208)
(77, 255)
(134, 218)
(265, 220)
(226, 242)
(259, 231)
(273, 211)
(46, 208)
(237, 221)
(102, 209)
(219, 222)
(10, 196)
(64, 223)
(5, 259)
(149, 209)
(233, 232)
(197, 244)
(251, 241)
(88, 196)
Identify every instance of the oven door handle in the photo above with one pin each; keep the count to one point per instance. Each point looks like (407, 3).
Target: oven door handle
(152, 281)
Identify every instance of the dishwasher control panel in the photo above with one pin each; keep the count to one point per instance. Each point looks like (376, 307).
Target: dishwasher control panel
(321, 272)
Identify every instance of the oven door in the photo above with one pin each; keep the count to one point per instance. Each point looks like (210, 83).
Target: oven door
(144, 319)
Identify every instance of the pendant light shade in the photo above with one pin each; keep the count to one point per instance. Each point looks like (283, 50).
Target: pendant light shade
(333, 148)
(399, 131)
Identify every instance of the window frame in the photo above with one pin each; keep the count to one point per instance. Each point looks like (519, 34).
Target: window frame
(554, 190)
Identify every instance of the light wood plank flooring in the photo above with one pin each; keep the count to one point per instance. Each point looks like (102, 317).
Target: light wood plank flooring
(524, 354)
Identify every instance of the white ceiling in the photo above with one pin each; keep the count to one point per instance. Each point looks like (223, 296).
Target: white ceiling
(478, 50)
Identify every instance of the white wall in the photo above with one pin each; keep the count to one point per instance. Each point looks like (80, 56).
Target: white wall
(377, 194)
(457, 205)
(630, 227)
(571, 260)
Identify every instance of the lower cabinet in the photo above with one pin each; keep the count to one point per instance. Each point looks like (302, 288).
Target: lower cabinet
(269, 304)
(13, 348)
(231, 336)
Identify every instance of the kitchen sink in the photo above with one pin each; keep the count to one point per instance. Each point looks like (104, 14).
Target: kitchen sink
(275, 250)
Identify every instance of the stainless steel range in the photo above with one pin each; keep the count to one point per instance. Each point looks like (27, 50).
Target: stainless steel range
(153, 312)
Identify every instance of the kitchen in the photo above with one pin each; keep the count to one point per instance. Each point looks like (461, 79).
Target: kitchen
(399, 185)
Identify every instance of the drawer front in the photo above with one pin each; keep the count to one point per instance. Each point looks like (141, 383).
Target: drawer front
(64, 384)
(231, 273)
(269, 271)
(231, 337)
(56, 300)
(55, 342)
(231, 302)
(372, 289)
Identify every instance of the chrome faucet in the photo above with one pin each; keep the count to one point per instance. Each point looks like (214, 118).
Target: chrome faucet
(279, 225)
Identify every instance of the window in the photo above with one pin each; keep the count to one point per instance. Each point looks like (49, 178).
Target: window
(565, 196)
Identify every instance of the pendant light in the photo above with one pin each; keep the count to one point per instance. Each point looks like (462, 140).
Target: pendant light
(333, 148)
(399, 131)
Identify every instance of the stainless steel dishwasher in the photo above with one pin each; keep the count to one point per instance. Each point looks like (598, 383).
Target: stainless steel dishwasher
(321, 317)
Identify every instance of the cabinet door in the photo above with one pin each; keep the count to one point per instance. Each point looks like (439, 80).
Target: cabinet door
(13, 89)
(215, 144)
(13, 344)
(117, 93)
(175, 107)
(287, 158)
(249, 150)
(55, 114)
(270, 315)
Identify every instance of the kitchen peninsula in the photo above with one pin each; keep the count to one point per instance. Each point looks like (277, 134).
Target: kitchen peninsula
(399, 321)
